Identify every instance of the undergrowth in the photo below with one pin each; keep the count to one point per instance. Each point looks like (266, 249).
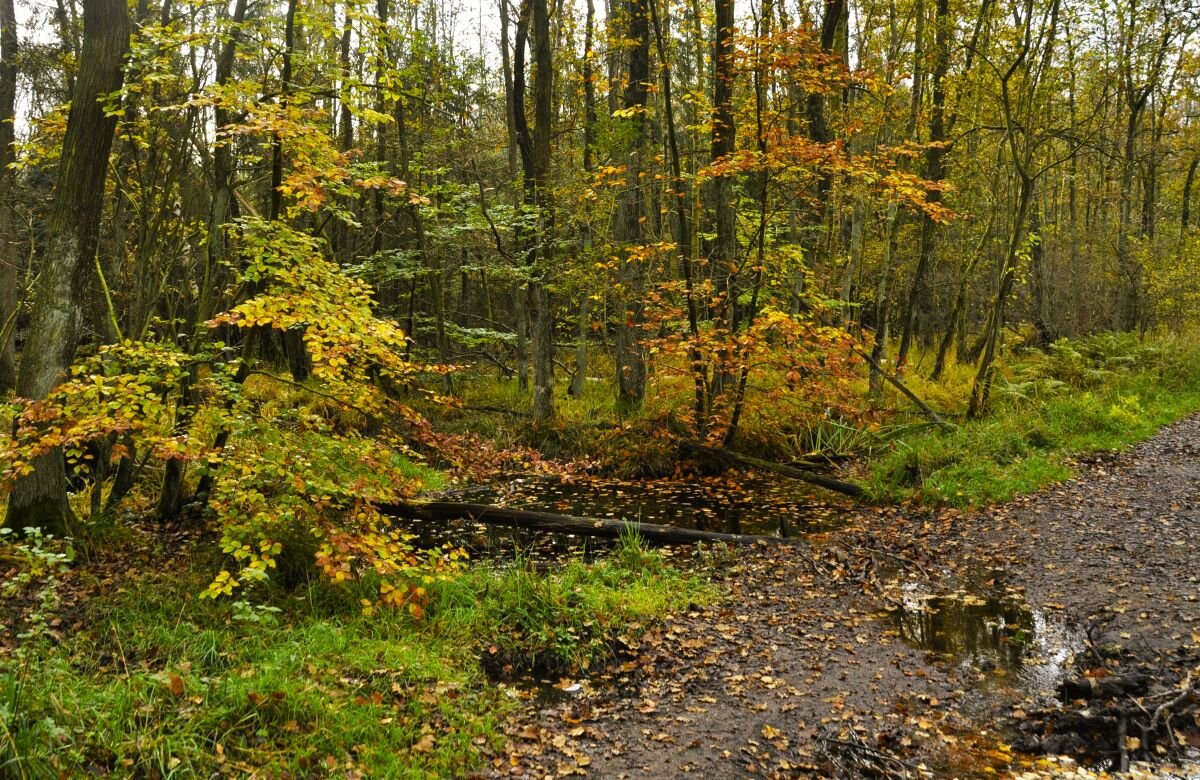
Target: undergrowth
(147, 680)
(1048, 407)
(1099, 394)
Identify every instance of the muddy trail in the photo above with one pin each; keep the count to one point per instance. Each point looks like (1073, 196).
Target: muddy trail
(1056, 635)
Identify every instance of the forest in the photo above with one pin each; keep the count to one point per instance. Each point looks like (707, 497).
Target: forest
(780, 388)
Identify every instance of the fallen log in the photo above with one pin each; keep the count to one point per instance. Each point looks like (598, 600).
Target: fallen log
(565, 524)
(895, 382)
(1132, 684)
(746, 461)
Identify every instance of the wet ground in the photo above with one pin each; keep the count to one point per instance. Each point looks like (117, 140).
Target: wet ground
(911, 643)
(761, 505)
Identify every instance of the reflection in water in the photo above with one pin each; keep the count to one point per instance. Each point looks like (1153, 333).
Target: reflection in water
(982, 630)
(995, 629)
(747, 505)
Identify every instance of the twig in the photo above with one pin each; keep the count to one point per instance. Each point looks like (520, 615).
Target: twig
(879, 755)
(300, 386)
(1188, 693)
(1122, 748)
(495, 410)
(900, 559)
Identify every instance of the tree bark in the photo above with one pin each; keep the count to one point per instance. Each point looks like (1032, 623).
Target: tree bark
(1129, 306)
(1136, 93)
(61, 294)
(509, 117)
(535, 165)
(920, 299)
(981, 389)
(1186, 210)
(1022, 146)
(589, 142)
(566, 524)
(628, 229)
(1039, 277)
(883, 304)
(746, 461)
(9, 255)
(683, 236)
(724, 136)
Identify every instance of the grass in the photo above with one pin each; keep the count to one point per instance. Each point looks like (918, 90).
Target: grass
(149, 681)
(1101, 394)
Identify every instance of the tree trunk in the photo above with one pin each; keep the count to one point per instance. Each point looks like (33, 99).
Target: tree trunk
(342, 240)
(509, 117)
(581, 345)
(275, 204)
(1039, 277)
(683, 237)
(522, 340)
(730, 458)
(441, 511)
(535, 164)
(1129, 303)
(589, 142)
(882, 304)
(724, 135)
(833, 20)
(628, 229)
(298, 360)
(61, 293)
(920, 299)
(9, 254)
(953, 322)
(171, 494)
(1186, 210)
(981, 389)
(760, 187)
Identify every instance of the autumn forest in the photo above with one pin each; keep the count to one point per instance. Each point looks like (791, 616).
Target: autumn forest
(501, 356)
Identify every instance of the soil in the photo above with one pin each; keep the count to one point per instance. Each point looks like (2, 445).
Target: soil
(917, 643)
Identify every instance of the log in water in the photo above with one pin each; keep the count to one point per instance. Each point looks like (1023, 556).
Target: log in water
(566, 524)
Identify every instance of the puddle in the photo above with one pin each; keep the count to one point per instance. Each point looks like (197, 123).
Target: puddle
(993, 630)
(546, 693)
(755, 505)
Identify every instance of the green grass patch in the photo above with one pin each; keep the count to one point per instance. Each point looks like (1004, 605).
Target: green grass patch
(151, 681)
(1100, 394)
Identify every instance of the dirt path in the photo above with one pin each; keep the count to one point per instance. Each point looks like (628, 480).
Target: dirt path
(917, 643)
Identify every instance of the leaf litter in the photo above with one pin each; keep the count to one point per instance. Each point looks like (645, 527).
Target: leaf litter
(918, 642)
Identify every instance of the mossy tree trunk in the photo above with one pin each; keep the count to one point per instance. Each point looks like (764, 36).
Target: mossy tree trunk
(61, 295)
(9, 299)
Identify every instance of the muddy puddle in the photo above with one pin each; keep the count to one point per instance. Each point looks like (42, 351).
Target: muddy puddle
(544, 693)
(755, 505)
(989, 629)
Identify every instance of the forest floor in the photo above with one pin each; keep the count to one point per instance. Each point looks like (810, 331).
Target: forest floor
(917, 642)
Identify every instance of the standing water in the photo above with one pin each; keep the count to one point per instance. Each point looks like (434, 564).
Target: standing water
(740, 505)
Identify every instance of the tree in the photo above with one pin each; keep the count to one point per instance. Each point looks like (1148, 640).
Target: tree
(9, 255)
(1147, 35)
(535, 168)
(1023, 105)
(630, 214)
(62, 292)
